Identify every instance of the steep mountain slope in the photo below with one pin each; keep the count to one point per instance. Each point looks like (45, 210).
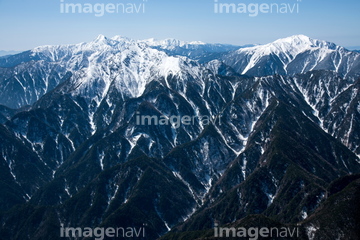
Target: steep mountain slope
(335, 101)
(24, 84)
(277, 139)
(284, 170)
(196, 167)
(338, 216)
(6, 113)
(23, 172)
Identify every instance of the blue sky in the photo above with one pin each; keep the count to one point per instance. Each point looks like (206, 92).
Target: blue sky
(25, 24)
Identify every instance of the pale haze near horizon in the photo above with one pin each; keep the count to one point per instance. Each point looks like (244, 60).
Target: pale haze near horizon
(27, 24)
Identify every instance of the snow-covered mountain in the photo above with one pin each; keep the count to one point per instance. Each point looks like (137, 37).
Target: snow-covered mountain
(126, 64)
(78, 156)
(295, 54)
(25, 77)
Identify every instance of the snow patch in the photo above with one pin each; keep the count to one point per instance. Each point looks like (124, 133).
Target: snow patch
(114, 195)
(311, 231)
(101, 160)
(304, 214)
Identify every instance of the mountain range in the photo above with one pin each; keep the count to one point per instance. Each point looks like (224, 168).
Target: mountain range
(282, 147)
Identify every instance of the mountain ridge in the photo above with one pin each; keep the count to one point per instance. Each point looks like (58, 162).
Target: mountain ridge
(17, 70)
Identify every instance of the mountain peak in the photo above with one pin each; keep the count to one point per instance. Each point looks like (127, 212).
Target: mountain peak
(100, 38)
(295, 40)
(298, 37)
(304, 42)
